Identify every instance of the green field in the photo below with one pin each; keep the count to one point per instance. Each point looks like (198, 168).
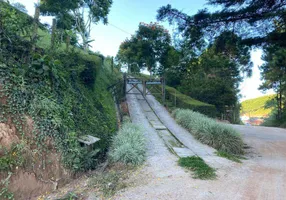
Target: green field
(258, 107)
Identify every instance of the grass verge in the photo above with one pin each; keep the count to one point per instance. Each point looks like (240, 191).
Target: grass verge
(210, 132)
(198, 166)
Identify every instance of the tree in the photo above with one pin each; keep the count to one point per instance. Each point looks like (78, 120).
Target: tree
(81, 13)
(128, 54)
(146, 48)
(214, 75)
(273, 73)
(213, 79)
(252, 19)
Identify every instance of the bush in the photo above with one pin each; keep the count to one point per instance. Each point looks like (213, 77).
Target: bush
(217, 135)
(129, 145)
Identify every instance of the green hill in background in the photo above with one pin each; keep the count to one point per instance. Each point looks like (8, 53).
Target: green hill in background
(258, 107)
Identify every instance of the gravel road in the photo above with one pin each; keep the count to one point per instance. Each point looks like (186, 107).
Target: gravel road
(261, 176)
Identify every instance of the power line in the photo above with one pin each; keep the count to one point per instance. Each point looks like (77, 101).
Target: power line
(119, 29)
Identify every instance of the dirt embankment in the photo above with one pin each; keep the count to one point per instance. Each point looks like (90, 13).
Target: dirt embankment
(41, 172)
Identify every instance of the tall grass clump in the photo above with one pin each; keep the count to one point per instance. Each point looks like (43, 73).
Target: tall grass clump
(129, 145)
(217, 135)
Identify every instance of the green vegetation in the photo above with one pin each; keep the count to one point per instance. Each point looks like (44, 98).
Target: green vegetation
(129, 145)
(233, 157)
(211, 71)
(174, 98)
(77, 16)
(217, 135)
(64, 92)
(148, 47)
(11, 158)
(273, 74)
(198, 166)
(273, 121)
(258, 107)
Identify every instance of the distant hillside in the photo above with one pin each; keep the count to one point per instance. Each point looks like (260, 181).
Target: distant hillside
(258, 107)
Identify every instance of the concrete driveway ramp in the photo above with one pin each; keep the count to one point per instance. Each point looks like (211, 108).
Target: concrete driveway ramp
(140, 97)
(151, 116)
(169, 139)
(183, 152)
(158, 125)
(145, 106)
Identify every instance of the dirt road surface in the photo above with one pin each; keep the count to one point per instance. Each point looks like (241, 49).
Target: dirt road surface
(262, 176)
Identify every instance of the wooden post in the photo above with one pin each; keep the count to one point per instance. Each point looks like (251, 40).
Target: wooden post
(53, 38)
(36, 25)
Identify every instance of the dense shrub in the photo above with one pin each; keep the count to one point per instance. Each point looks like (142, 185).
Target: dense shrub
(220, 136)
(129, 145)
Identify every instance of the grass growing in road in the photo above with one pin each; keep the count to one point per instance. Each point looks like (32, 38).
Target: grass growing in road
(210, 132)
(235, 158)
(198, 166)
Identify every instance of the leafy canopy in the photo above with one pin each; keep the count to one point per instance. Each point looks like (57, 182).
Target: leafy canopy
(252, 19)
(78, 14)
(146, 48)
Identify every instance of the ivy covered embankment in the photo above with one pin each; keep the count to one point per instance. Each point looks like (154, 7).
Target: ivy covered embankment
(49, 98)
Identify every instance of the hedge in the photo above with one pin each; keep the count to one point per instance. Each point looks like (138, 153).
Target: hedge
(184, 101)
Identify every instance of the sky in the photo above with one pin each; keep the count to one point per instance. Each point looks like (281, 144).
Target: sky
(124, 18)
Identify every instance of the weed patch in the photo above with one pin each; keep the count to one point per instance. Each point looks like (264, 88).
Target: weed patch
(198, 166)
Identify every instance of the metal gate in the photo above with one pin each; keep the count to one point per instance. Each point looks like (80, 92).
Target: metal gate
(149, 86)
